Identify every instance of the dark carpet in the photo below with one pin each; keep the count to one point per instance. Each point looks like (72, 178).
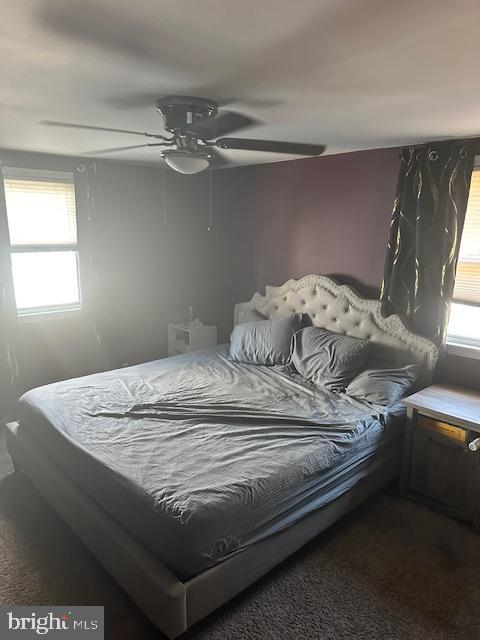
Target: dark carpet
(388, 571)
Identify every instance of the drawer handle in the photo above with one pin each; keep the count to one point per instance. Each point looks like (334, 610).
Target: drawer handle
(474, 445)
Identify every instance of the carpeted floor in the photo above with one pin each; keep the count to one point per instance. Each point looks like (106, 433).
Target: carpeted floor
(391, 570)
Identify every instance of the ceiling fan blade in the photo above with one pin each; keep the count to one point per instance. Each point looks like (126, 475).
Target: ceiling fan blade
(225, 122)
(74, 125)
(132, 146)
(293, 148)
(218, 158)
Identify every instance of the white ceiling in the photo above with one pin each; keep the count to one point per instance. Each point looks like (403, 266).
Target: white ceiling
(352, 74)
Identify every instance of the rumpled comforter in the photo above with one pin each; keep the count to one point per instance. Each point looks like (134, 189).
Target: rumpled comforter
(217, 453)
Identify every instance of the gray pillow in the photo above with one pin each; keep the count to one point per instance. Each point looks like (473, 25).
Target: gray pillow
(250, 315)
(383, 386)
(264, 342)
(327, 358)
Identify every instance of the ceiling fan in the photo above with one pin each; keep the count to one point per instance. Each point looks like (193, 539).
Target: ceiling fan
(197, 127)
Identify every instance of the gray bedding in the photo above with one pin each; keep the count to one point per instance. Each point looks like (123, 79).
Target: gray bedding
(199, 456)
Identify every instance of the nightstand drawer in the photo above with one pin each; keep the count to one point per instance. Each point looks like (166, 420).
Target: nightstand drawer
(443, 428)
(444, 470)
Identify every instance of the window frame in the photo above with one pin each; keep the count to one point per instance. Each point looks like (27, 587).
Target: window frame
(462, 345)
(21, 173)
(463, 350)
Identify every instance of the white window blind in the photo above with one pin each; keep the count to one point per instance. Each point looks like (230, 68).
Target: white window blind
(467, 282)
(42, 225)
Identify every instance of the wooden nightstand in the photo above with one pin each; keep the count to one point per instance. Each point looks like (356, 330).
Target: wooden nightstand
(190, 336)
(441, 455)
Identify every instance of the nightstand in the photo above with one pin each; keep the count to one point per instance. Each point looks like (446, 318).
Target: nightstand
(190, 336)
(441, 454)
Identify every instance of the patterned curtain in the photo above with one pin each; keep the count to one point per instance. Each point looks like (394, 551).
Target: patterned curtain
(425, 232)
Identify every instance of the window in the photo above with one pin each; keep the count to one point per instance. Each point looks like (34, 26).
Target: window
(464, 324)
(42, 227)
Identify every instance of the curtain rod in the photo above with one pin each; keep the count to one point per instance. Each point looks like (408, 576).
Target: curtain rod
(474, 141)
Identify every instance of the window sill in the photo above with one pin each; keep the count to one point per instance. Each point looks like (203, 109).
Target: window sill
(463, 350)
(54, 314)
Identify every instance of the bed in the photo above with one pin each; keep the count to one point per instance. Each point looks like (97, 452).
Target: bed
(190, 477)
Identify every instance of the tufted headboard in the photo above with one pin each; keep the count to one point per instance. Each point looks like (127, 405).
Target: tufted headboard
(340, 309)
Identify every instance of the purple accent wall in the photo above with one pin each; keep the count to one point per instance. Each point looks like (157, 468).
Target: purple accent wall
(326, 215)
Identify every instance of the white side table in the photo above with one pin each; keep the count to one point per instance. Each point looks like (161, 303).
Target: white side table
(190, 336)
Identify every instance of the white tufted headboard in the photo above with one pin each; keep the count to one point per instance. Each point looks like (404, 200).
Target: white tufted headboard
(340, 309)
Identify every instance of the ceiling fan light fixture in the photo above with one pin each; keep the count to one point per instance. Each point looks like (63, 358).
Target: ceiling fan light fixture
(186, 162)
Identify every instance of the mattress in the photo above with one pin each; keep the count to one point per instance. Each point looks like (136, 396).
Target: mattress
(199, 457)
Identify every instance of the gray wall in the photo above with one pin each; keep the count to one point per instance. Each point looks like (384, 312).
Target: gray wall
(146, 272)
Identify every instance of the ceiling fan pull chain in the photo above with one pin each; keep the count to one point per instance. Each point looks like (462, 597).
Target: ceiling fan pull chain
(164, 180)
(92, 190)
(210, 226)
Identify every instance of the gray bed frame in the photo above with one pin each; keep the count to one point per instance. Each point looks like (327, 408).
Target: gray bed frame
(174, 606)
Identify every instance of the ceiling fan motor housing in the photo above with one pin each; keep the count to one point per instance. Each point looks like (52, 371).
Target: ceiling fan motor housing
(181, 112)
